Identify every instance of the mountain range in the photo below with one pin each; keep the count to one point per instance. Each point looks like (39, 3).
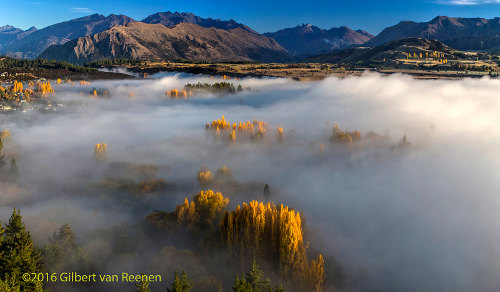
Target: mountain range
(170, 19)
(96, 36)
(186, 41)
(10, 34)
(32, 44)
(307, 40)
(459, 33)
(174, 36)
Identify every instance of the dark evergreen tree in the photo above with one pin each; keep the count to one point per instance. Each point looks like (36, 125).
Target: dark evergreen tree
(62, 253)
(254, 281)
(241, 284)
(143, 286)
(267, 192)
(19, 256)
(181, 284)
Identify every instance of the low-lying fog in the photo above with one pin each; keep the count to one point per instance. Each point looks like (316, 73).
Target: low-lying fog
(422, 218)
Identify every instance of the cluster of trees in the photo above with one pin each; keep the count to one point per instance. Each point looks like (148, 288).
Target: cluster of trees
(246, 128)
(96, 92)
(470, 67)
(216, 88)
(344, 137)
(349, 138)
(63, 254)
(16, 92)
(256, 230)
(59, 81)
(42, 88)
(18, 256)
(11, 63)
(205, 177)
(254, 281)
(175, 93)
(273, 233)
(438, 56)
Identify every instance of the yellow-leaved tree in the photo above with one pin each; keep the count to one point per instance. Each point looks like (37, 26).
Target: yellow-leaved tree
(274, 233)
(100, 151)
(205, 176)
(206, 209)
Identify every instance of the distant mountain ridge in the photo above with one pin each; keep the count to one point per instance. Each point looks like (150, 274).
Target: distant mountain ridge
(170, 19)
(31, 45)
(308, 40)
(10, 34)
(459, 33)
(182, 41)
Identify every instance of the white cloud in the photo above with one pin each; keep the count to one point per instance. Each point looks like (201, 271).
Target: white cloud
(81, 10)
(468, 2)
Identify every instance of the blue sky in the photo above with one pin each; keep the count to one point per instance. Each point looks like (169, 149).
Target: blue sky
(261, 15)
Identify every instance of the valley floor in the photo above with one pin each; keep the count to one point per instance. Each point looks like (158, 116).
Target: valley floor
(298, 71)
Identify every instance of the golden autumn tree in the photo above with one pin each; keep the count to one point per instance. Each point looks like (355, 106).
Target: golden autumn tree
(100, 151)
(210, 207)
(232, 136)
(42, 88)
(316, 274)
(205, 210)
(17, 87)
(186, 213)
(5, 135)
(281, 135)
(274, 233)
(224, 173)
(344, 137)
(205, 176)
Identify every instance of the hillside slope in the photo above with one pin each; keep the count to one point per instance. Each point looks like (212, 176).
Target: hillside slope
(388, 52)
(35, 43)
(10, 34)
(459, 33)
(182, 41)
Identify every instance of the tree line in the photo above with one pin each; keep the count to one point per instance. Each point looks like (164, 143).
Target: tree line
(11, 63)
